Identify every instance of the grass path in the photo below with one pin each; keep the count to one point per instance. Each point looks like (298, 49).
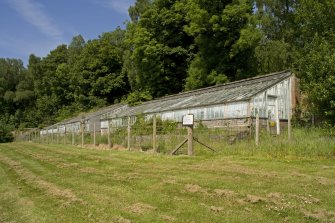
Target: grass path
(55, 183)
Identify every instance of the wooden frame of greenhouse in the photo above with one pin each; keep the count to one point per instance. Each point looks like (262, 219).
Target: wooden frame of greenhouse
(272, 97)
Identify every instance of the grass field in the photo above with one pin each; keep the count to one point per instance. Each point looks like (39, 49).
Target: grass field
(57, 183)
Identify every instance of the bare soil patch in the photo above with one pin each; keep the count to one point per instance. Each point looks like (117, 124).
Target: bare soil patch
(120, 219)
(326, 181)
(193, 188)
(253, 199)
(140, 208)
(224, 193)
(88, 170)
(216, 209)
(319, 215)
(168, 218)
(104, 147)
(309, 199)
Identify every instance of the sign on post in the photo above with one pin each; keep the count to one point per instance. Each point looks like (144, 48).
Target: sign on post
(188, 120)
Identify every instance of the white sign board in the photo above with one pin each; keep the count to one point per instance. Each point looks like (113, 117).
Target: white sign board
(188, 120)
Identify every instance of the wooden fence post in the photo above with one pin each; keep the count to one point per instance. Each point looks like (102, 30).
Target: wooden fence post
(94, 136)
(289, 113)
(249, 120)
(52, 136)
(109, 134)
(289, 131)
(129, 134)
(277, 117)
(268, 122)
(190, 140)
(154, 133)
(48, 136)
(82, 134)
(58, 134)
(72, 134)
(64, 135)
(257, 129)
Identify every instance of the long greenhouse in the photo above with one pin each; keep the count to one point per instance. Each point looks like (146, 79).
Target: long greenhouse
(272, 97)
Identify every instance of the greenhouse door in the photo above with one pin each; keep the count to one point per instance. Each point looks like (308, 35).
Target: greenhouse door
(273, 118)
(272, 108)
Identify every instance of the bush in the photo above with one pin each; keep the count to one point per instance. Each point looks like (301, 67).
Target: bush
(6, 136)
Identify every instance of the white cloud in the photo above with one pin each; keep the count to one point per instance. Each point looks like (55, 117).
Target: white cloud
(120, 6)
(33, 13)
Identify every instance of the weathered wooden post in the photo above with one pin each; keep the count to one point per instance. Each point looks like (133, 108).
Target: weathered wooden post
(268, 122)
(277, 117)
(94, 134)
(154, 133)
(109, 134)
(48, 136)
(52, 136)
(58, 134)
(129, 134)
(257, 129)
(82, 125)
(289, 113)
(72, 134)
(249, 119)
(64, 139)
(289, 130)
(190, 140)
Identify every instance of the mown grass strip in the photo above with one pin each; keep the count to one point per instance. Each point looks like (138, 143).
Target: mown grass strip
(121, 187)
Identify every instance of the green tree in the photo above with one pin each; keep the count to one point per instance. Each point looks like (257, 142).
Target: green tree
(14, 96)
(276, 21)
(50, 86)
(224, 49)
(98, 78)
(316, 59)
(160, 49)
(138, 9)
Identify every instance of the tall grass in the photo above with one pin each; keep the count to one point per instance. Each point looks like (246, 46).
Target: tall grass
(305, 143)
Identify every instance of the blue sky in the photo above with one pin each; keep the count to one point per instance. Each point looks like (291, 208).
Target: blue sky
(39, 26)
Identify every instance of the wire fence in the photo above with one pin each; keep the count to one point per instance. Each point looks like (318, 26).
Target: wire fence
(155, 135)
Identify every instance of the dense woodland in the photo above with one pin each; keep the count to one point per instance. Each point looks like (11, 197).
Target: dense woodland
(171, 46)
